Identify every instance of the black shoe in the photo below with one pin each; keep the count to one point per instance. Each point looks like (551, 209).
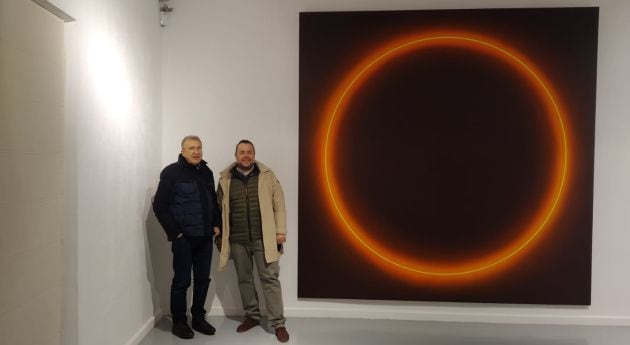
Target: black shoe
(200, 325)
(181, 329)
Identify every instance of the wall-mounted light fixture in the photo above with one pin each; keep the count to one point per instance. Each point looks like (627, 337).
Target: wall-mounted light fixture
(164, 11)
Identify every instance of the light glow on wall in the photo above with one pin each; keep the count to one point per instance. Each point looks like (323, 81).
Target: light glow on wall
(109, 76)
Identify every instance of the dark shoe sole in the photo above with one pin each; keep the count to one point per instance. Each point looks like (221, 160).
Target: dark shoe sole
(203, 331)
(183, 336)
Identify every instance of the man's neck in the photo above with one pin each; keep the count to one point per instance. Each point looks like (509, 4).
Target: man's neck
(245, 172)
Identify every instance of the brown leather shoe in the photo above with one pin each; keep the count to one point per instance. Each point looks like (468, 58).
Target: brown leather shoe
(246, 325)
(282, 335)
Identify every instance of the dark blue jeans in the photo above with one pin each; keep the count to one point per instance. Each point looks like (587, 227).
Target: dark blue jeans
(190, 253)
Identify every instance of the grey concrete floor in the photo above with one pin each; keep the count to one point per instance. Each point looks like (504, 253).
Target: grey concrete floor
(316, 331)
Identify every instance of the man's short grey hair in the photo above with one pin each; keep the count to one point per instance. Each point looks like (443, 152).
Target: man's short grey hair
(190, 137)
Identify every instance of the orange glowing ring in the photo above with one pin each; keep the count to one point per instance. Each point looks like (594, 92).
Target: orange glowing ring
(414, 268)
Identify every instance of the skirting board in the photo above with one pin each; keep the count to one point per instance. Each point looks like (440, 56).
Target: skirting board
(500, 318)
(145, 329)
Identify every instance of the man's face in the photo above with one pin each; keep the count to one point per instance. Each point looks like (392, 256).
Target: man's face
(192, 151)
(245, 156)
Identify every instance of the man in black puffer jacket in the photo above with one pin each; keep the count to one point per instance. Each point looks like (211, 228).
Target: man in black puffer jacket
(186, 205)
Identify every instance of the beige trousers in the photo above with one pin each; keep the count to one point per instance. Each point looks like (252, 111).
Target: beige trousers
(244, 256)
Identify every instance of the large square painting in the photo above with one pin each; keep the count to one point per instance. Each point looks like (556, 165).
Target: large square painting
(447, 155)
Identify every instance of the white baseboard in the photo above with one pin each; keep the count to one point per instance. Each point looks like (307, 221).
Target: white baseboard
(145, 329)
(506, 318)
(499, 318)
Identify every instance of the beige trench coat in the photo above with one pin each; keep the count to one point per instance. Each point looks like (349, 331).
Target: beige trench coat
(272, 212)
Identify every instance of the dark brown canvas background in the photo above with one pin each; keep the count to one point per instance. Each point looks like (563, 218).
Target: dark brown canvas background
(444, 147)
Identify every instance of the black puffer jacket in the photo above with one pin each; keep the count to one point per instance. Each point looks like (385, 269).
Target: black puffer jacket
(185, 201)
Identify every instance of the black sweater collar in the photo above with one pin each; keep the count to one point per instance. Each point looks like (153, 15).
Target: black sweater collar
(182, 162)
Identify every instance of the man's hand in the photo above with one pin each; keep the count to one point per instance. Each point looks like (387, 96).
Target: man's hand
(281, 238)
(217, 238)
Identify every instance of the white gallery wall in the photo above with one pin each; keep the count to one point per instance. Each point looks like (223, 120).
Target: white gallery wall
(230, 71)
(112, 147)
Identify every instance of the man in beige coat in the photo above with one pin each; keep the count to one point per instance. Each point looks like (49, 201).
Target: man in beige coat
(254, 228)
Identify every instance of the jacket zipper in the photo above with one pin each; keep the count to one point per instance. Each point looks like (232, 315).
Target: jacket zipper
(249, 226)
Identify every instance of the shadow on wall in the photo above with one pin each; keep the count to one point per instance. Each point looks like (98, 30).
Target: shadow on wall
(160, 272)
(224, 286)
(159, 261)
